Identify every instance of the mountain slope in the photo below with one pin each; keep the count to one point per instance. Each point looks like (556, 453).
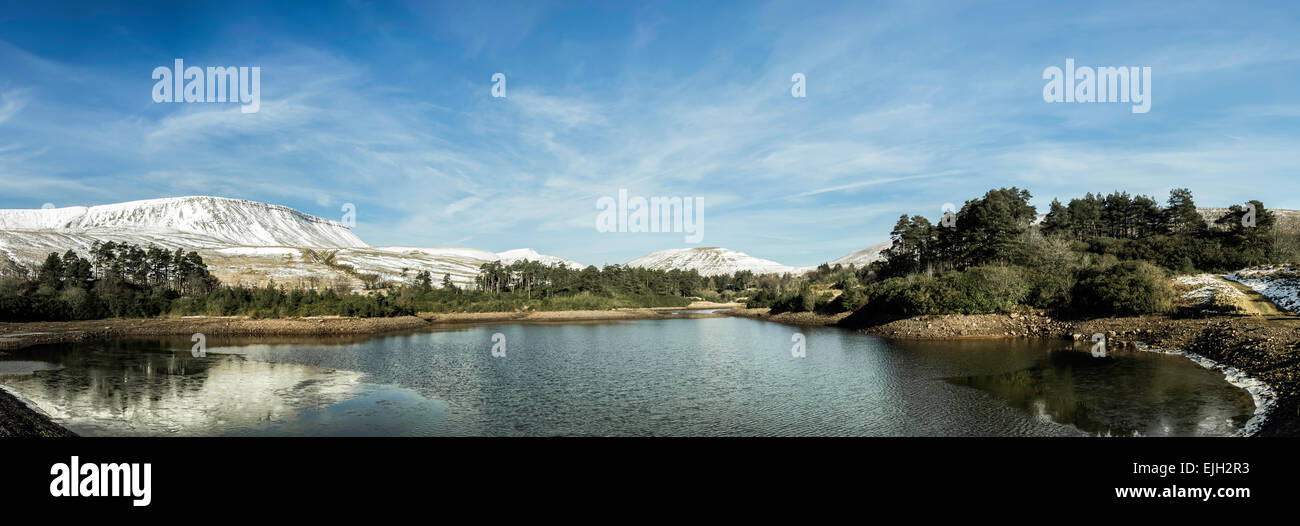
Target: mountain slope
(202, 222)
(711, 261)
(864, 257)
(243, 242)
(402, 263)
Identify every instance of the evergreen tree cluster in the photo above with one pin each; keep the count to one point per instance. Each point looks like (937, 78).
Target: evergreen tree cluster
(534, 279)
(118, 280)
(1098, 255)
(1176, 236)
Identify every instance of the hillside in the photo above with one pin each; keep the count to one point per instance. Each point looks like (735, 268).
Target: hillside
(864, 257)
(711, 261)
(207, 221)
(244, 242)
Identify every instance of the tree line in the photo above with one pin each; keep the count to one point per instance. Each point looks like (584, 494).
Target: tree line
(117, 280)
(1100, 254)
(125, 280)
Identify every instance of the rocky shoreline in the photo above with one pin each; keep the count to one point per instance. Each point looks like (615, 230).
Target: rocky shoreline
(1266, 348)
(17, 419)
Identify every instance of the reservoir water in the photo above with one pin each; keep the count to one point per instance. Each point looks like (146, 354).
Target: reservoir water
(709, 376)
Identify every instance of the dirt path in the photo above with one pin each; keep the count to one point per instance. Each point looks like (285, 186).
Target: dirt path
(1256, 303)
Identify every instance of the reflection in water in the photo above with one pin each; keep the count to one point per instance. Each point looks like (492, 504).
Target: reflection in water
(375, 410)
(114, 389)
(26, 367)
(695, 375)
(1128, 393)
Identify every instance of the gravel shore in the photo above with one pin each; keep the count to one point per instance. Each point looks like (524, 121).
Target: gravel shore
(18, 420)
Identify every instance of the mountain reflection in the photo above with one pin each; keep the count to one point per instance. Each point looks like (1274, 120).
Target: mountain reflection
(108, 389)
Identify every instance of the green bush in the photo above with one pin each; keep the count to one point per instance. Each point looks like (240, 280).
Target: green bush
(986, 290)
(852, 299)
(978, 290)
(1124, 289)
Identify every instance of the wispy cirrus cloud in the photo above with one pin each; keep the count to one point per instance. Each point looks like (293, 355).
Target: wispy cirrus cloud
(392, 112)
(11, 102)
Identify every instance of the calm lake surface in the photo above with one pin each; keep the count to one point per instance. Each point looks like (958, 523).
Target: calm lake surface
(689, 376)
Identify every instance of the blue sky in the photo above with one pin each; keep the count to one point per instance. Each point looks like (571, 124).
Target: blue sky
(909, 105)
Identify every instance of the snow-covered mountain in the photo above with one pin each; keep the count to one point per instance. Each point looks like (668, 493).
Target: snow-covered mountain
(864, 257)
(242, 241)
(201, 222)
(711, 261)
(255, 243)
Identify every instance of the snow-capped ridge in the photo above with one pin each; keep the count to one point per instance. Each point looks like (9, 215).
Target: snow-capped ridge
(528, 254)
(243, 241)
(210, 221)
(864, 257)
(711, 261)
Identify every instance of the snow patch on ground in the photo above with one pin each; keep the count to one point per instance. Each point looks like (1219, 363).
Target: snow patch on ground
(1208, 286)
(1279, 283)
(259, 251)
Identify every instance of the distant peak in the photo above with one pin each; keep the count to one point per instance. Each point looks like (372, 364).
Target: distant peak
(711, 261)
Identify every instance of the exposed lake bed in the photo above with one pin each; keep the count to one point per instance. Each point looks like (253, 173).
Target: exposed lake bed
(693, 376)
